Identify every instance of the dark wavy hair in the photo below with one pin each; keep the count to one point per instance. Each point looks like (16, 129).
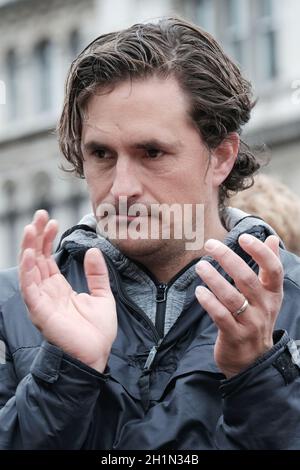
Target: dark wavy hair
(220, 98)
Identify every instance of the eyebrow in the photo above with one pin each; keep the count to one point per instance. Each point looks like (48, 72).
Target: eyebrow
(91, 145)
(145, 144)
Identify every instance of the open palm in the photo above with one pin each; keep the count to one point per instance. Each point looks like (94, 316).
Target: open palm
(83, 325)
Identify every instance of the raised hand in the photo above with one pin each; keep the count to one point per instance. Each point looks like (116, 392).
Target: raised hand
(83, 325)
(246, 335)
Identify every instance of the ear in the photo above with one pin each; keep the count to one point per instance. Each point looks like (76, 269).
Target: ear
(223, 158)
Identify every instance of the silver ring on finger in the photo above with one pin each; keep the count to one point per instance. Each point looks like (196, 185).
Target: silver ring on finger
(241, 309)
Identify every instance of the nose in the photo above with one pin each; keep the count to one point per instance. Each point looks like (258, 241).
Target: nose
(127, 179)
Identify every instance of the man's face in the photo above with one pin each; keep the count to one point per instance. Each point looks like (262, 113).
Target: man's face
(139, 144)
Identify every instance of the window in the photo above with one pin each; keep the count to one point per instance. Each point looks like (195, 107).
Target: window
(265, 8)
(11, 84)
(43, 59)
(265, 40)
(74, 43)
(236, 37)
(202, 13)
(42, 191)
(248, 33)
(9, 190)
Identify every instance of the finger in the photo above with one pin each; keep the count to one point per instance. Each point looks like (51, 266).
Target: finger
(28, 278)
(28, 240)
(27, 267)
(42, 265)
(96, 273)
(228, 295)
(273, 243)
(265, 255)
(218, 313)
(33, 238)
(40, 221)
(244, 277)
(30, 233)
(27, 256)
(50, 233)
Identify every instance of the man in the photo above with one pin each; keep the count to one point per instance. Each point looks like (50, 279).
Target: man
(107, 345)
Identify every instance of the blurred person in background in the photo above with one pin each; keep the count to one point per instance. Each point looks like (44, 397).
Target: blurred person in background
(141, 343)
(275, 203)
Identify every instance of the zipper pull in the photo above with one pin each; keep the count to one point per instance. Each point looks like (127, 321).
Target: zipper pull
(151, 356)
(161, 293)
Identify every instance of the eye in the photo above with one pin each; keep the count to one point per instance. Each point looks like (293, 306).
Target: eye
(101, 153)
(154, 153)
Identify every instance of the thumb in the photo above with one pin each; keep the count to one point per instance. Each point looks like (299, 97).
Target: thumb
(96, 273)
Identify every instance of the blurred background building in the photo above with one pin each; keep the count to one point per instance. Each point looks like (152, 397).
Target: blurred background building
(40, 38)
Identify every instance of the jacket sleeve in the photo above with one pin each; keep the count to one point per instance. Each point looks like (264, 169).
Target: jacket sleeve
(261, 406)
(52, 407)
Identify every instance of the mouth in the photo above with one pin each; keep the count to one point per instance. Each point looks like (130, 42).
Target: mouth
(126, 218)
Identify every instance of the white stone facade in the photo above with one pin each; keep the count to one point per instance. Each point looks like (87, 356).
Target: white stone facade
(29, 156)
